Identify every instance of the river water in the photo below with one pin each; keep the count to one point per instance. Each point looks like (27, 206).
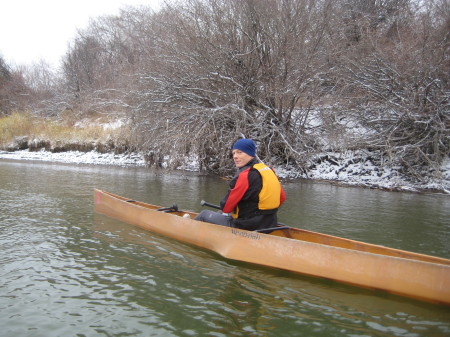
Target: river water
(67, 271)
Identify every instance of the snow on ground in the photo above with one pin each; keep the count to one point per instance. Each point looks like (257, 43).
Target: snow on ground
(342, 168)
(77, 157)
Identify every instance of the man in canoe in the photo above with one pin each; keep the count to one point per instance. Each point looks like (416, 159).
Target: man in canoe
(254, 196)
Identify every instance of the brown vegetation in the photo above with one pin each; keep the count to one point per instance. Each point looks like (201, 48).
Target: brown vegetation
(298, 76)
(25, 131)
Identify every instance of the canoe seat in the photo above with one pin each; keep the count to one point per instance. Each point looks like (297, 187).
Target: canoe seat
(271, 229)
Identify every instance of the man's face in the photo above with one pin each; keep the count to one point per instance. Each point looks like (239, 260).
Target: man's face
(240, 158)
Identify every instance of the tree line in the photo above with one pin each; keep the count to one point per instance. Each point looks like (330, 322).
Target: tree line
(299, 76)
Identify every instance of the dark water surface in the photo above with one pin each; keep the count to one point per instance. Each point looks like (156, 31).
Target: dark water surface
(66, 271)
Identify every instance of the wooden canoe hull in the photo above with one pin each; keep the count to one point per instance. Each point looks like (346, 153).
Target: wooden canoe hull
(400, 272)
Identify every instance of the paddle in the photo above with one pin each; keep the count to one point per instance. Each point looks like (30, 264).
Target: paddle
(173, 208)
(204, 203)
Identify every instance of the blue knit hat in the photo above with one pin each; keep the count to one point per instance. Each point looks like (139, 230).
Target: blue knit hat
(245, 145)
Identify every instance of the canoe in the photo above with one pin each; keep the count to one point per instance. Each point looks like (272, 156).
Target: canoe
(409, 274)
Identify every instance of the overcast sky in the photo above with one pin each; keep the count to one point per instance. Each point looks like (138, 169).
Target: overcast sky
(31, 30)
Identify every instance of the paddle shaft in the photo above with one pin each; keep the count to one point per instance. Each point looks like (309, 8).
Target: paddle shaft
(204, 203)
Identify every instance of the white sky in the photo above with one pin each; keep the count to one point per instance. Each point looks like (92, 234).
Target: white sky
(34, 30)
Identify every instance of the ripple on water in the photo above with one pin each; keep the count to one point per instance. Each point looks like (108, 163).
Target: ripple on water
(66, 271)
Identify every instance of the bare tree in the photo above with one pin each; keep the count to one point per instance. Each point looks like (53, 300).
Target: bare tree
(400, 89)
(249, 66)
(5, 79)
(14, 92)
(101, 63)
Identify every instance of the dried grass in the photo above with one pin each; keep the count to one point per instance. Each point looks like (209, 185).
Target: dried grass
(21, 124)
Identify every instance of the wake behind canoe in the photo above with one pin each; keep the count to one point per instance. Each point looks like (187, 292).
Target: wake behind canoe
(405, 273)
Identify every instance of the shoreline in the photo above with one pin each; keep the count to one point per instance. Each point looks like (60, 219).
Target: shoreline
(370, 177)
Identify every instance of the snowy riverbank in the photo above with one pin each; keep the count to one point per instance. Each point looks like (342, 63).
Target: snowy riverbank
(343, 169)
(77, 157)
